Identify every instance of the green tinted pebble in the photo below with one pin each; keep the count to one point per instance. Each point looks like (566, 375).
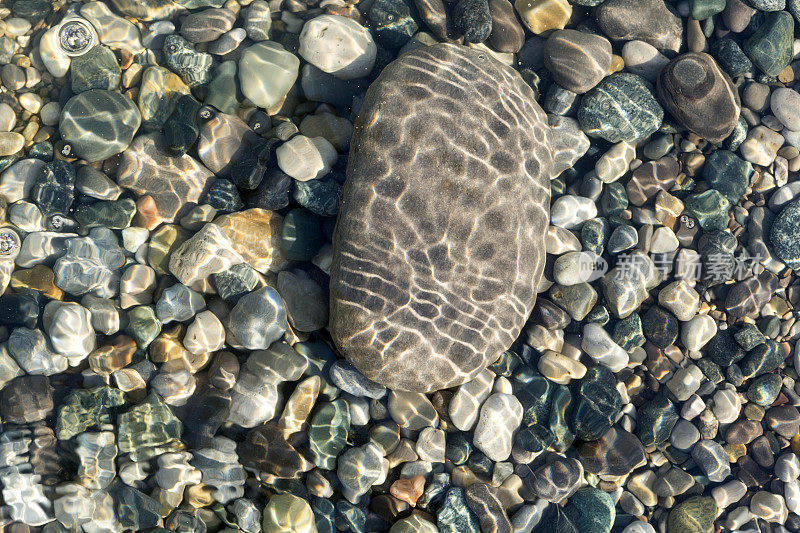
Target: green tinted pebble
(192, 66)
(731, 57)
(143, 325)
(302, 235)
(621, 108)
(327, 433)
(794, 9)
(598, 315)
(181, 128)
(765, 389)
(558, 187)
(392, 22)
(110, 214)
(624, 237)
(762, 359)
(710, 208)
(454, 515)
(594, 234)
(770, 47)
(628, 332)
(235, 282)
(323, 514)
(96, 69)
(151, 423)
(350, 517)
(31, 10)
(737, 136)
(99, 124)
(703, 9)
(559, 415)
(536, 397)
(597, 404)
(658, 147)
(753, 412)
(749, 337)
(86, 408)
(614, 199)
(770, 325)
(222, 89)
(576, 300)
(165, 239)
(458, 448)
(785, 235)
(386, 435)
(727, 173)
(694, 515)
(506, 364)
(534, 439)
(591, 510)
(710, 369)
(655, 420)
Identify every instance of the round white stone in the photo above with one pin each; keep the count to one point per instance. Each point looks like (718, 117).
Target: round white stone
(306, 158)
(785, 105)
(267, 71)
(599, 345)
(339, 46)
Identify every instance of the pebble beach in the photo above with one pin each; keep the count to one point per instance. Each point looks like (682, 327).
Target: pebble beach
(404, 266)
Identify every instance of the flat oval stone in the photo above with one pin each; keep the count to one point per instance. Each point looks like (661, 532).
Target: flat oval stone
(700, 95)
(785, 235)
(650, 21)
(425, 297)
(99, 124)
(577, 60)
(621, 108)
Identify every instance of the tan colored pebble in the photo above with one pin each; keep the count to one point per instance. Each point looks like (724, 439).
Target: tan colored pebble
(617, 64)
(30, 102)
(10, 143)
(542, 15)
(559, 368)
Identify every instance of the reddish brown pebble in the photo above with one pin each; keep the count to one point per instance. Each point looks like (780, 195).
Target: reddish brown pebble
(408, 490)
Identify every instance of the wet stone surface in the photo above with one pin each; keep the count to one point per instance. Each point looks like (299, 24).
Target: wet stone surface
(399, 266)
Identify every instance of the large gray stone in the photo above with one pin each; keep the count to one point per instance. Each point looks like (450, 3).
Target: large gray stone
(434, 273)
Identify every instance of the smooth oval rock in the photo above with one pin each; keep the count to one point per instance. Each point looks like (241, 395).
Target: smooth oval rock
(700, 95)
(338, 46)
(99, 124)
(577, 60)
(424, 297)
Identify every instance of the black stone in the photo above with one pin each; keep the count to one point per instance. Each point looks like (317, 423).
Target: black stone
(223, 196)
(536, 397)
(54, 188)
(472, 19)
(723, 348)
(628, 332)
(762, 359)
(392, 22)
(320, 196)
(272, 193)
(655, 420)
(19, 309)
(598, 404)
(181, 128)
(660, 326)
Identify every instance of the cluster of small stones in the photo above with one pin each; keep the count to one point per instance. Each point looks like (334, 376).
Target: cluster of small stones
(170, 173)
